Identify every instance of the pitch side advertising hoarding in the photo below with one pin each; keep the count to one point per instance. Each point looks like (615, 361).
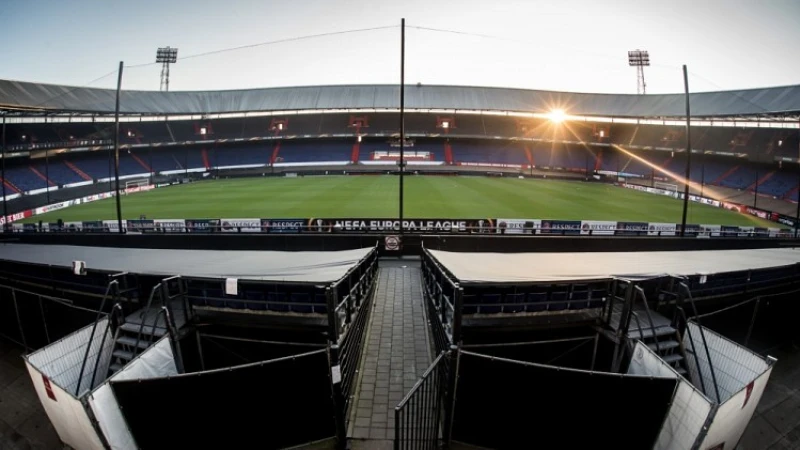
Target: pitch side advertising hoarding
(518, 226)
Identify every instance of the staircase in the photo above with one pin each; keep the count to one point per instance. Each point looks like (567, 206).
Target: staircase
(725, 175)
(11, 186)
(141, 162)
(448, 153)
(661, 338)
(164, 313)
(204, 154)
(354, 153)
(599, 160)
(760, 181)
(275, 152)
(80, 173)
(529, 156)
(41, 175)
(789, 194)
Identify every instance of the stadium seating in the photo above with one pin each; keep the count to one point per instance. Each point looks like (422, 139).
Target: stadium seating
(235, 156)
(315, 151)
(475, 152)
(23, 178)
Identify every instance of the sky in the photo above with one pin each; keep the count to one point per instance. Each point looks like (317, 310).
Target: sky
(564, 45)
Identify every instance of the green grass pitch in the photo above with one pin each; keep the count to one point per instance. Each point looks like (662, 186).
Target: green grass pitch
(425, 197)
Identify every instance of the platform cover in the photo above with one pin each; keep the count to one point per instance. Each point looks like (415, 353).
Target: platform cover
(312, 267)
(535, 267)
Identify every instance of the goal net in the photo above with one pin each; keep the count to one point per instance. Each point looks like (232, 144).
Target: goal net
(134, 185)
(672, 189)
(395, 155)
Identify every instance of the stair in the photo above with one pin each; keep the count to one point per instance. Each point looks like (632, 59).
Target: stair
(789, 194)
(141, 162)
(204, 154)
(41, 175)
(599, 160)
(760, 181)
(448, 153)
(354, 153)
(80, 173)
(725, 175)
(177, 162)
(11, 186)
(529, 156)
(275, 152)
(666, 342)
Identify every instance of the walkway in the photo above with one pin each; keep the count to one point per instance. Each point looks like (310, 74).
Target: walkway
(397, 353)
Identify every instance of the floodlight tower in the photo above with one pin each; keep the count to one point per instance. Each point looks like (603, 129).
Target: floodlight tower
(166, 56)
(639, 59)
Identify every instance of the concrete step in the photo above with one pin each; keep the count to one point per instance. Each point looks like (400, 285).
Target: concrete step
(114, 368)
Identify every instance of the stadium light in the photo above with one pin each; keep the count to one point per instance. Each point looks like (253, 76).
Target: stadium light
(203, 131)
(557, 115)
(639, 59)
(445, 124)
(166, 56)
(780, 143)
(358, 138)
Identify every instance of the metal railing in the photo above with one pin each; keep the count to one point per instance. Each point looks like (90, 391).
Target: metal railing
(683, 298)
(113, 286)
(419, 417)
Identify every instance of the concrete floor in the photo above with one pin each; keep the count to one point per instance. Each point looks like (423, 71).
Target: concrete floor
(23, 423)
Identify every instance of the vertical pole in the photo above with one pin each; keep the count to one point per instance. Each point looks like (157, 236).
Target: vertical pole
(702, 172)
(116, 150)
(3, 176)
(47, 171)
(797, 216)
(402, 112)
(755, 191)
(688, 152)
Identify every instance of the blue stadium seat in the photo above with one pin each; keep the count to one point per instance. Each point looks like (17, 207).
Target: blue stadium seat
(276, 301)
(320, 303)
(558, 301)
(579, 299)
(490, 304)
(514, 302)
(301, 302)
(256, 300)
(536, 301)
(470, 304)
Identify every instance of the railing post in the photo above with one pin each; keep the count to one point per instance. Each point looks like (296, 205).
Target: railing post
(453, 357)
(752, 322)
(338, 397)
(333, 326)
(458, 306)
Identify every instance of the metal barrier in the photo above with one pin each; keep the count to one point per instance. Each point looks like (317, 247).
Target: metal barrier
(419, 417)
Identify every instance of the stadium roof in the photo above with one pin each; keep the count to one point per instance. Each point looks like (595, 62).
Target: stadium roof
(25, 96)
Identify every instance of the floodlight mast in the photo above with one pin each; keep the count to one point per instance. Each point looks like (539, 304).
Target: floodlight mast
(166, 56)
(639, 59)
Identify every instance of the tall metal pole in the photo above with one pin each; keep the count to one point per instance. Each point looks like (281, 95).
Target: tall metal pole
(47, 171)
(755, 191)
(3, 176)
(797, 217)
(116, 151)
(688, 153)
(402, 113)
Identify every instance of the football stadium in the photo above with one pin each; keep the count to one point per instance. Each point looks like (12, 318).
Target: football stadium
(404, 266)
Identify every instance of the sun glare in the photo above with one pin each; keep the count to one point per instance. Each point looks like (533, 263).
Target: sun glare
(557, 115)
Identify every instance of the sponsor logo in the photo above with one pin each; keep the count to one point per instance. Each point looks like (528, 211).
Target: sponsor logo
(290, 225)
(15, 217)
(231, 225)
(392, 243)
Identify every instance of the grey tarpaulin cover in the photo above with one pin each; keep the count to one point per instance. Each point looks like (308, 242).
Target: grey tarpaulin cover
(312, 267)
(534, 267)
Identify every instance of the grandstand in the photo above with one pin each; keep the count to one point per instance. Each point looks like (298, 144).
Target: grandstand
(295, 312)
